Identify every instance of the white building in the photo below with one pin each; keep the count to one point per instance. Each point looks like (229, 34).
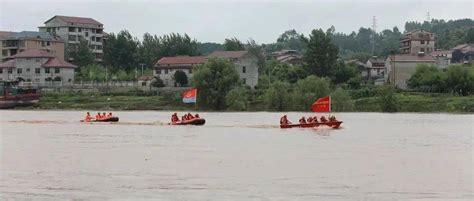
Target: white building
(245, 63)
(399, 68)
(37, 67)
(74, 29)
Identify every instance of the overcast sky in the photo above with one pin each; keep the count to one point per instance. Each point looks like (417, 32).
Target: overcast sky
(213, 21)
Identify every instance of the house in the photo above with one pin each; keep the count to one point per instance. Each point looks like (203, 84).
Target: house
(417, 41)
(443, 58)
(399, 68)
(38, 67)
(245, 63)
(463, 54)
(166, 67)
(375, 68)
(287, 56)
(13, 43)
(74, 29)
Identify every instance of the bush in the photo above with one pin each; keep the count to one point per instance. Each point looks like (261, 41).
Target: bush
(237, 99)
(388, 100)
(277, 97)
(180, 78)
(341, 101)
(157, 82)
(308, 90)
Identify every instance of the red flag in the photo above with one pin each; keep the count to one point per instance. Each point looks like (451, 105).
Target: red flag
(189, 96)
(322, 105)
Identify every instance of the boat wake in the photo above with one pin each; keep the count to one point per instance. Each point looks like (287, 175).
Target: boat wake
(38, 122)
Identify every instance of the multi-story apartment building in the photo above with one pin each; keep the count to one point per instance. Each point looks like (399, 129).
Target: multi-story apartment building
(38, 67)
(417, 41)
(14, 43)
(74, 29)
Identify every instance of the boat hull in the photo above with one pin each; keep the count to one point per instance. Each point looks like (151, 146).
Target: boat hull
(195, 122)
(334, 124)
(109, 119)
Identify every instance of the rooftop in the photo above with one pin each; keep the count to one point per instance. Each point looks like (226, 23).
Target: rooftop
(57, 63)
(79, 20)
(415, 58)
(181, 60)
(32, 53)
(32, 35)
(5, 34)
(228, 54)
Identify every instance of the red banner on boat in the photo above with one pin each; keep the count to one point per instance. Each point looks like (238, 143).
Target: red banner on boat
(189, 96)
(322, 105)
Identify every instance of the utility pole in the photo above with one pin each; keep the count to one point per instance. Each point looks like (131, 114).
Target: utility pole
(374, 32)
(142, 67)
(106, 74)
(428, 17)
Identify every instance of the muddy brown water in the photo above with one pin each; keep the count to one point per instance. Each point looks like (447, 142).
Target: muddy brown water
(50, 155)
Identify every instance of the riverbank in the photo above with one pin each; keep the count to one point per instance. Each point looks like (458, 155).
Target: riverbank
(407, 102)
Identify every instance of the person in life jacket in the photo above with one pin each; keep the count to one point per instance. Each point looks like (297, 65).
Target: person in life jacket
(302, 120)
(183, 118)
(332, 118)
(196, 116)
(98, 116)
(323, 119)
(174, 117)
(284, 120)
(109, 115)
(310, 120)
(88, 117)
(104, 115)
(315, 119)
(190, 116)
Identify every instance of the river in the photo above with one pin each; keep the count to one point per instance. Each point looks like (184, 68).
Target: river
(50, 155)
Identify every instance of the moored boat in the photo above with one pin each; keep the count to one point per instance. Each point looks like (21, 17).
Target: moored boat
(11, 95)
(194, 121)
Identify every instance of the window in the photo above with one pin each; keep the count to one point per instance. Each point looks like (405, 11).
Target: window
(37, 70)
(19, 71)
(56, 70)
(79, 30)
(72, 38)
(69, 80)
(244, 69)
(427, 42)
(43, 43)
(244, 81)
(37, 79)
(28, 70)
(72, 29)
(166, 71)
(48, 43)
(99, 31)
(38, 60)
(10, 70)
(422, 42)
(190, 71)
(46, 70)
(422, 49)
(158, 71)
(93, 30)
(5, 53)
(92, 38)
(87, 34)
(1, 70)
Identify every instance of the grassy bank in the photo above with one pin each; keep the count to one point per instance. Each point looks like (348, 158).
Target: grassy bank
(407, 102)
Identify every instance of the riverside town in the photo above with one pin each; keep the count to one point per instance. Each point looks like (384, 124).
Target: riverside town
(238, 100)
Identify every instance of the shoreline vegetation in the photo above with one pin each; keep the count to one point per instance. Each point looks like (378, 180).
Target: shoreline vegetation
(343, 101)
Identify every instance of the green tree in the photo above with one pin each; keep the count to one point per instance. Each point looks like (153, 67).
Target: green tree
(233, 44)
(157, 82)
(214, 80)
(237, 99)
(341, 101)
(292, 40)
(180, 78)
(175, 44)
(341, 72)
(121, 51)
(277, 96)
(428, 78)
(91, 72)
(388, 100)
(149, 50)
(256, 50)
(286, 72)
(80, 54)
(308, 90)
(460, 79)
(321, 54)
